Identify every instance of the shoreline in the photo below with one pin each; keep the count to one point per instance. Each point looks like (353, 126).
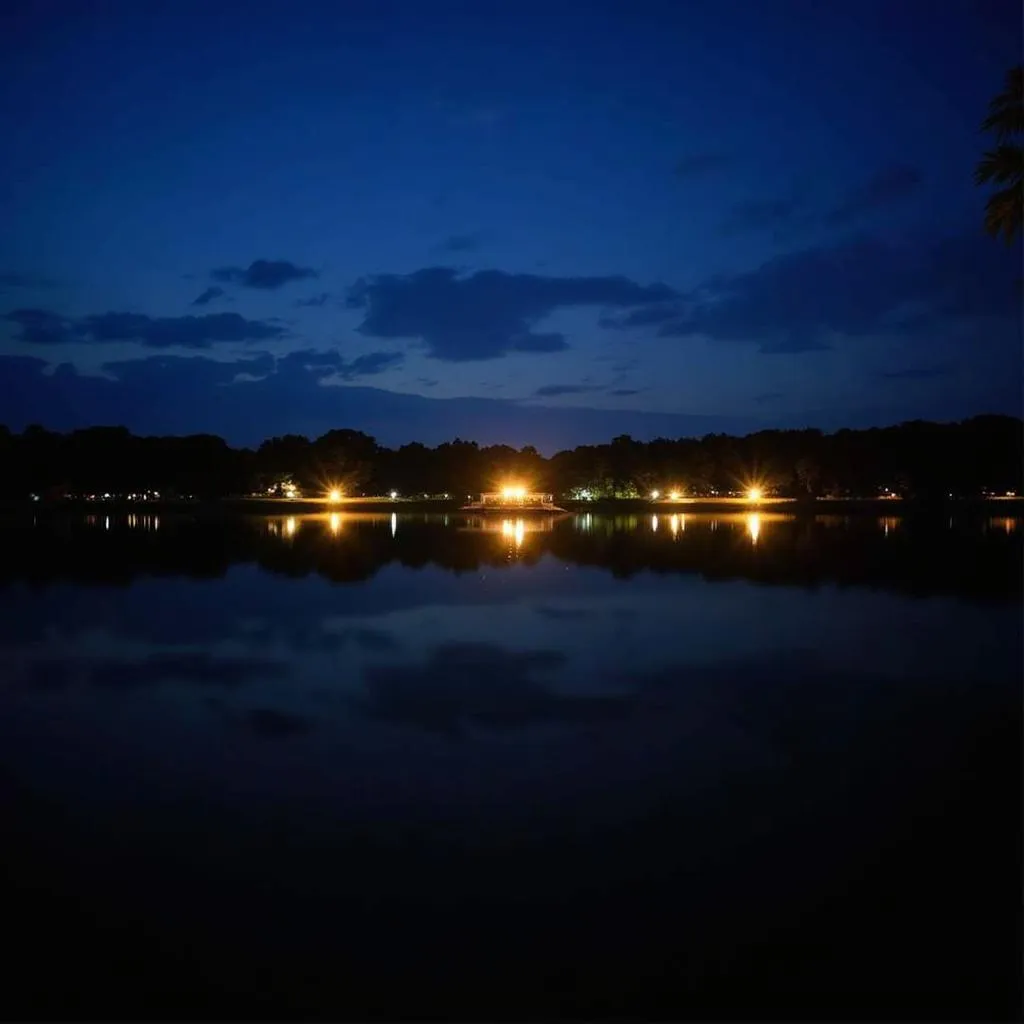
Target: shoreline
(1012, 506)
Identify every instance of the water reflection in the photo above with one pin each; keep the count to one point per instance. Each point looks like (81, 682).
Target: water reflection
(976, 555)
(754, 526)
(607, 719)
(514, 531)
(1005, 523)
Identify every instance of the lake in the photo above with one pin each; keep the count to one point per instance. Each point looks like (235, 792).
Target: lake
(735, 765)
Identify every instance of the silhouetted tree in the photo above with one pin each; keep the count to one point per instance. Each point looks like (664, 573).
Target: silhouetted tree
(1004, 165)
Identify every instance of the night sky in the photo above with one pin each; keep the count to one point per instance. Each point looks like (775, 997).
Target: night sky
(543, 223)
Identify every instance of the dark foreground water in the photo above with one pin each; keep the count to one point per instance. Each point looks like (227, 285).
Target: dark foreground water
(685, 766)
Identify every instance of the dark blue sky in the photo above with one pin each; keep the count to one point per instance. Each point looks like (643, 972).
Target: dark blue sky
(530, 222)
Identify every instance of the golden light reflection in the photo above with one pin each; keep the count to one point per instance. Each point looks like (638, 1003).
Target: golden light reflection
(334, 522)
(754, 527)
(676, 524)
(654, 524)
(889, 523)
(514, 531)
(394, 523)
(290, 526)
(1005, 523)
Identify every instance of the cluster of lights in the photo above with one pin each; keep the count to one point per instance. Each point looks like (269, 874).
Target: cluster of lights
(140, 496)
(673, 495)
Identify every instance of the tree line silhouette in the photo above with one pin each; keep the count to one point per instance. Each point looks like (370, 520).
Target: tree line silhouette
(914, 459)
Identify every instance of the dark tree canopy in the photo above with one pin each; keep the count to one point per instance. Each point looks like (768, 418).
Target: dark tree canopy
(985, 453)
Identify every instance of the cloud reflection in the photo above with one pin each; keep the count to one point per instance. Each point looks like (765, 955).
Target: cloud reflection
(189, 667)
(481, 685)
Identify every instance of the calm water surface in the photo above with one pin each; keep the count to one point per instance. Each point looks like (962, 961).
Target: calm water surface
(646, 766)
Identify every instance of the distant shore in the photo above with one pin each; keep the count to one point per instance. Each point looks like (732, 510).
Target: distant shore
(1005, 505)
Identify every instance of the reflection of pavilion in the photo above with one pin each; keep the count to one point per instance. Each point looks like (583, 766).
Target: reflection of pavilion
(509, 526)
(513, 499)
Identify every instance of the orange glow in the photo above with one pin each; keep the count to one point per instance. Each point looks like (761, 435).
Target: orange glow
(514, 531)
(754, 494)
(513, 492)
(334, 494)
(334, 522)
(754, 527)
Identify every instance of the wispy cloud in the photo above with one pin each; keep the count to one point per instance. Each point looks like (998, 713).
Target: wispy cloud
(765, 215)
(553, 390)
(314, 300)
(41, 327)
(916, 373)
(211, 293)
(330, 362)
(469, 242)
(266, 275)
(888, 186)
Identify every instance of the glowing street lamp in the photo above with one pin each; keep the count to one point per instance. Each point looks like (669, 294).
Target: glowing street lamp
(655, 495)
(334, 495)
(755, 494)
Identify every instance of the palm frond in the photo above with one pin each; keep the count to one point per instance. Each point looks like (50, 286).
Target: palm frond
(1004, 213)
(1006, 111)
(1002, 165)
